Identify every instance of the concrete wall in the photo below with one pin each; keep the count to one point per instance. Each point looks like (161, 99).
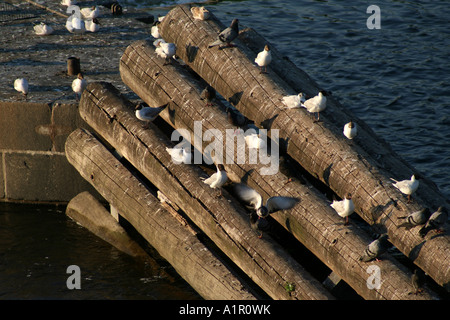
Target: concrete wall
(33, 166)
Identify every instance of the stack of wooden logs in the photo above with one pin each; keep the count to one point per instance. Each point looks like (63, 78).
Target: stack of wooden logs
(362, 168)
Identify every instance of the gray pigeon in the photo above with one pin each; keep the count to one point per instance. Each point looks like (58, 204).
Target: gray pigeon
(208, 94)
(259, 224)
(416, 218)
(375, 249)
(436, 222)
(148, 114)
(227, 35)
(418, 280)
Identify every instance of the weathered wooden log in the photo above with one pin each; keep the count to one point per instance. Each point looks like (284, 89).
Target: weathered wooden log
(320, 148)
(192, 260)
(222, 219)
(312, 221)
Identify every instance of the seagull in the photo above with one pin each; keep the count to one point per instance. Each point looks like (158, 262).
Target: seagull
(90, 13)
(264, 58)
(218, 179)
(180, 155)
(92, 25)
(255, 200)
(436, 221)
(145, 113)
(316, 104)
(200, 13)
(154, 30)
(407, 187)
(227, 35)
(21, 85)
(375, 249)
(208, 94)
(68, 2)
(165, 50)
(254, 141)
(415, 219)
(75, 25)
(418, 280)
(350, 130)
(294, 101)
(345, 207)
(78, 85)
(43, 29)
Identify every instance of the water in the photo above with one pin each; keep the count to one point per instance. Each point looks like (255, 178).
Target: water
(395, 78)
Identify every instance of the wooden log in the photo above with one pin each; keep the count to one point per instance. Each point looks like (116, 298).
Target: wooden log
(320, 148)
(312, 221)
(222, 219)
(192, 260)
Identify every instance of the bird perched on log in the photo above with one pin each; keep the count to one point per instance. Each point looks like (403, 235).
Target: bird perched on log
(21, 85)
(407, 187)
(263, 59)
(78, 85)
(145, 113)
(418, 281)
(180, 155)
(436, 221)
(200, 13)
(345, 207)
(293, 101)
(165, 50)
(154, 30)
(375, 249)
(416, 218)
(255, 200)
(218, 179)
(227, 35)
(316, 104)
(208, 94)
(42, 29)
(350, 130)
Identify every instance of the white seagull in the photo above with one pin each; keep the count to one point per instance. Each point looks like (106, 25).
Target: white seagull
(75, 25)
(350, 130)
(294, 101)
(21, 85)
(345, 207)
(165, 50)
(180, 155)
(154, 30)
(145, 113)
(254, 141)
(90, 13)
(263, 59)
(217, 179)
(92, 25)
(78, 85)
(43, 29)
(316, 104)
(407, 187)
(255, 200)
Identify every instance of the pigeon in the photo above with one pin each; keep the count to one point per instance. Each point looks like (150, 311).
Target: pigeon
(350, 130)
(21, 85)
(200, 13)
(218, 179)
(407, 187)
(227, 35)
(259, 224)
(165, 50)
(418, 280)
(43, 29)
(436, 221)
(92, 25)
(345, 207)
(154, 30)
(375, 249)
(415, 219)
(255, 200)
(145, 113)
(208, 94)
(90, 13)
(235, 117)
(264, 58)
(316, 104)
(180, 155)
(78, 85)
(294, 101)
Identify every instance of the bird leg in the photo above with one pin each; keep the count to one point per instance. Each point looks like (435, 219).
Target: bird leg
(346, 221)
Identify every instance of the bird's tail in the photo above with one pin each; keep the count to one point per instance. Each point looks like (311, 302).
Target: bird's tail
(424, 230)
(215, 43)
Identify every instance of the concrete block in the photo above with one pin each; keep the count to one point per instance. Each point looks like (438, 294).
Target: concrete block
(65, 119)
(18, 126)
(42, 176)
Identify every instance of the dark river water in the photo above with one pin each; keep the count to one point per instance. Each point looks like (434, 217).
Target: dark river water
(395, 78)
